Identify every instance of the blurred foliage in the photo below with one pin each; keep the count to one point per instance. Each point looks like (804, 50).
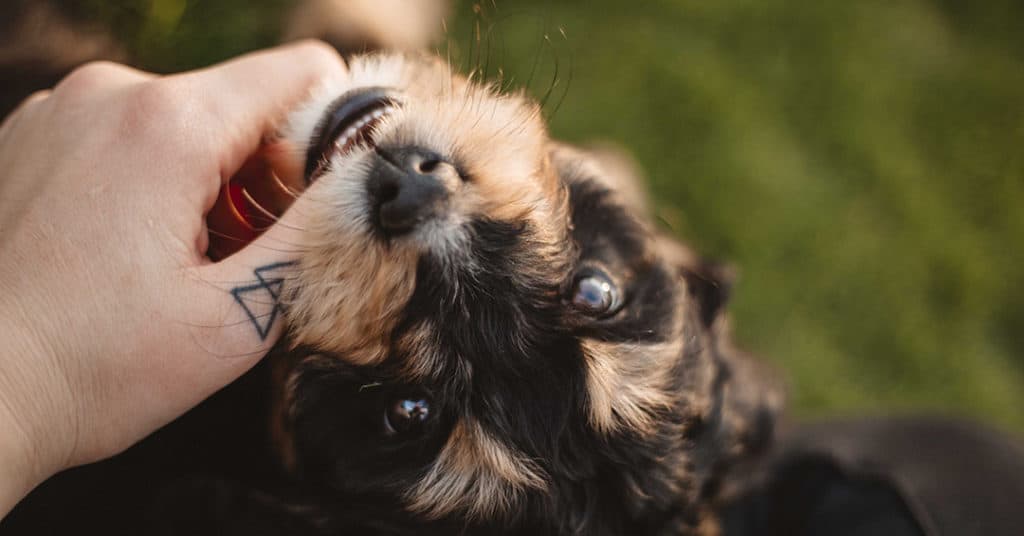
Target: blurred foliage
(861, 162)
(172, 35)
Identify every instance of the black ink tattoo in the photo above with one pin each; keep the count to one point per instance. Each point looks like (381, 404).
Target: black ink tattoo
(272, 286)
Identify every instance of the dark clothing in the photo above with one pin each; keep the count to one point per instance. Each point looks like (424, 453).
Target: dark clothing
(871, 477)
(886, 477)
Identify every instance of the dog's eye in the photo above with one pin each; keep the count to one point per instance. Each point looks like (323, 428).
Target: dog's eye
(594, 294)
(406, 415)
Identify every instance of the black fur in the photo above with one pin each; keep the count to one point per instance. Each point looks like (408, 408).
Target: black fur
(512, 360)
(510, 355)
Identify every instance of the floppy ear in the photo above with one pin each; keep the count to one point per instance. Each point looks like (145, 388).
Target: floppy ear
(752, 399)
(710, 285)
(748, 394)
(752, 396)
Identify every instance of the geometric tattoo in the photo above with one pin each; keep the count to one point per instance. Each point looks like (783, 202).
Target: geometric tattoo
(266, 286)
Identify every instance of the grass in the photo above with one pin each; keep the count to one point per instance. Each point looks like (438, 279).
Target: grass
(861, 162)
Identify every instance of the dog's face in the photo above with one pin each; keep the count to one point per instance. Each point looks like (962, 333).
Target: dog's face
(486, 330)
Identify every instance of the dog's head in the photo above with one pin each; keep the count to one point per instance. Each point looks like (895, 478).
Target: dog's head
(487, 331)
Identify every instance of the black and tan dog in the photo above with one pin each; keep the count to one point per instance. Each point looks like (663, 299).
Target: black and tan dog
(486, 335)
(489, 335)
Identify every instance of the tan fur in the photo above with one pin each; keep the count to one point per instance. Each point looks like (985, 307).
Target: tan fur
(421, 346)
(350, 288)
(609, 165)
(348, 292)
(475, 473)
(627, 384)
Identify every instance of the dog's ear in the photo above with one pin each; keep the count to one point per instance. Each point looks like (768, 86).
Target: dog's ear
(710, 285)
(752, 399)
(748, 393)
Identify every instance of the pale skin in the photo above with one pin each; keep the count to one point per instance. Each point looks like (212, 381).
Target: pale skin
(112, 321)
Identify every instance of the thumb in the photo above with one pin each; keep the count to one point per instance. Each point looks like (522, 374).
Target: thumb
(237, 302)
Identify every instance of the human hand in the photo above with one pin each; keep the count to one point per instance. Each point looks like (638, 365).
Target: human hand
(112, 320)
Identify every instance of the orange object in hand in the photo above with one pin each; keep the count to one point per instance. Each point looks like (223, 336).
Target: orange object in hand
(250, 202)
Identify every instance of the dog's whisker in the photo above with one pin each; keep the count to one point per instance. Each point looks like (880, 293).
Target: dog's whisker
(256, 204)
(451, 250)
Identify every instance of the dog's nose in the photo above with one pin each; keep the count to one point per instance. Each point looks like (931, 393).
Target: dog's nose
(409, 185)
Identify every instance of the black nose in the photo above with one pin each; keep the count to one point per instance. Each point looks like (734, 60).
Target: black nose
(409, 185)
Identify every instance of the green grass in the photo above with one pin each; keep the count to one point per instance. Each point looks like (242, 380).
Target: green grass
(861, 162)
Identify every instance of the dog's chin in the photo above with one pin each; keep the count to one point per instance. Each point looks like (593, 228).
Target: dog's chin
(354, 278)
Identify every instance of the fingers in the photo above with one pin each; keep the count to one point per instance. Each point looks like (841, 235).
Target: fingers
(234, 307)
(85, 80)
(38, 96)
(247, 95)
(228, 315)
(21, 110)
(99, 75)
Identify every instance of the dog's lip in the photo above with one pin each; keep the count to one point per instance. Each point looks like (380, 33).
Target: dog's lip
(348, 122)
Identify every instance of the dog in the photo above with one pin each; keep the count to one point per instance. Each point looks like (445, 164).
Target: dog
(486, 332)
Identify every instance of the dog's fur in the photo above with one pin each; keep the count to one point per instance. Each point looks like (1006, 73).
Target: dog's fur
(544, 418)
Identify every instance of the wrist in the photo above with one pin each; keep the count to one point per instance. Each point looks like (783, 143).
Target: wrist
(23, 460)
(19, 471)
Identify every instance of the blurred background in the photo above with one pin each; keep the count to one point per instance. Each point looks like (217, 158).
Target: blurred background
(861, 163)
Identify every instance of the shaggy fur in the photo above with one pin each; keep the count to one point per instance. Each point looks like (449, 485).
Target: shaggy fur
(543, 418)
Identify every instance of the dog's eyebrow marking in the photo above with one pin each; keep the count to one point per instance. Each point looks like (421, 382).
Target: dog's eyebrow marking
(264, 284)
(627, 384)
(477, 474)
(421, 343)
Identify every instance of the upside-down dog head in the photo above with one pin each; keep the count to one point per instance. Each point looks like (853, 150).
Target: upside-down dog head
(487, 333)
